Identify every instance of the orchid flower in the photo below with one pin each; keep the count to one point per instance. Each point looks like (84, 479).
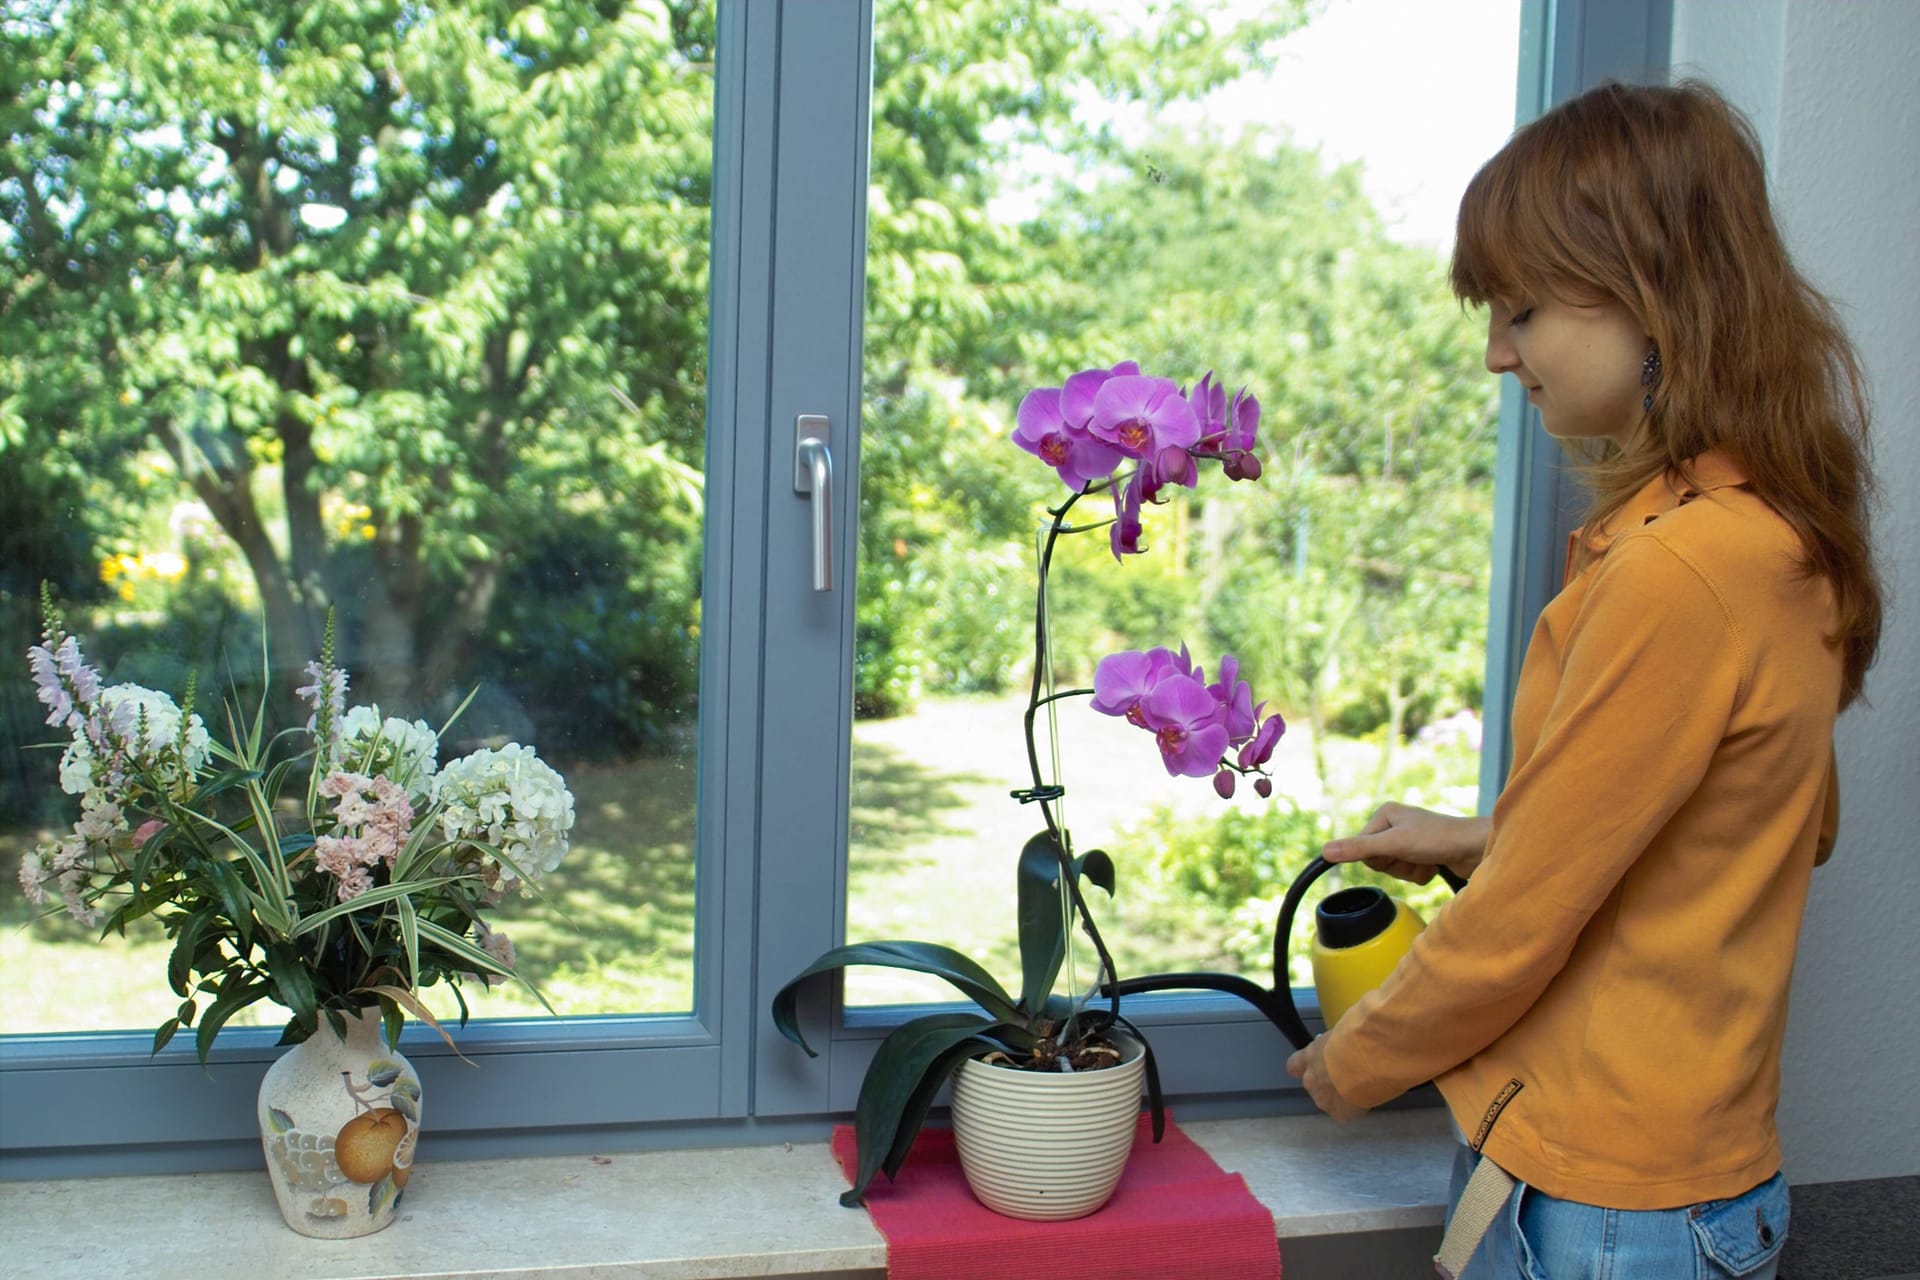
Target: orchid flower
(1066, 447)
(1140, 416)
(1076, 398)
(1182, 715)
(1259, 748)
(1124, 534)
(1235, 698)
(1095, 422)
(1123, 681)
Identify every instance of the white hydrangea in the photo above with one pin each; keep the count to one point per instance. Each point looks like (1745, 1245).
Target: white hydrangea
(145, 725)
(512, 800)
(408, 751)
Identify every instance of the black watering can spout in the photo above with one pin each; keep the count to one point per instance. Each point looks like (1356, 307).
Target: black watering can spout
(1347, 917)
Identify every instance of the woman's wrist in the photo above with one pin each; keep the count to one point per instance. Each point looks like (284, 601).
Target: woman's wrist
(1473, 846)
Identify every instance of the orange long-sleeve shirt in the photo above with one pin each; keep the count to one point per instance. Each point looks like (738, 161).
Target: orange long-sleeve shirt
(1603, 1005)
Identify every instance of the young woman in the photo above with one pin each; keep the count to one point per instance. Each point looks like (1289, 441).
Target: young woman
(1603, 1005)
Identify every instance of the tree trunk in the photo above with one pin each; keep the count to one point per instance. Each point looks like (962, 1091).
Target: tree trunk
(306, 536)
(226, 488)
(389, 654)
(451, 646)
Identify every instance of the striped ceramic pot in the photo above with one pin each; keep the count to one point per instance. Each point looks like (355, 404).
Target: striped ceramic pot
(1046, 1145)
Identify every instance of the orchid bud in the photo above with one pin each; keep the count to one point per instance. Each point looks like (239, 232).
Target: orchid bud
(1223, 784)
(1263, 786)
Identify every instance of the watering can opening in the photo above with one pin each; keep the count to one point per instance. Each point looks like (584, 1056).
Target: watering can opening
(1349, 917)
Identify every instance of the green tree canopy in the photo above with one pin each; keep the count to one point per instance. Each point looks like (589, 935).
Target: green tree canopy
(441, 267)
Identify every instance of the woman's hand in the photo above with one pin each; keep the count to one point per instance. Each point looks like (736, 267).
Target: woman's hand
(1412, 844)
(1309, 1067)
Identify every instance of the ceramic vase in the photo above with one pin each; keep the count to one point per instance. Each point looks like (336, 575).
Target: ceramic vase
(339, 1117)
(1044, 1145)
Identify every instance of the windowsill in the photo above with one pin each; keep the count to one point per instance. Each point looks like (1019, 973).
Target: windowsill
(712, 1212)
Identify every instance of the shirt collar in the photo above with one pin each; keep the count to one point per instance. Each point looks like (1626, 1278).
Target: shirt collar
(1700, 474)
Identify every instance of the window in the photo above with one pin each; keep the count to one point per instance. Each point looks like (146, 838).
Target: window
(776, 659)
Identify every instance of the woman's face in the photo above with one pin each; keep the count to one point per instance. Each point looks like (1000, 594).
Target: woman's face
(1579, 362)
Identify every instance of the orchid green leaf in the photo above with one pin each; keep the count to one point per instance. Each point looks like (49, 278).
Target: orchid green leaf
(967, 975)
(903, 1062)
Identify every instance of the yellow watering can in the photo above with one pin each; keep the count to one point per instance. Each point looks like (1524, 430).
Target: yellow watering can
(1359, 936)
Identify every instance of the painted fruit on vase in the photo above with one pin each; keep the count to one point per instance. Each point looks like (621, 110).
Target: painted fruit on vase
(365, 1145)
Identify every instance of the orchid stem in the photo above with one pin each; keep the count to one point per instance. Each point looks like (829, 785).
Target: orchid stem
(1042, 662)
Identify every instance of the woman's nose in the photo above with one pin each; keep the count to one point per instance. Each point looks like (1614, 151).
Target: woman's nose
(1501, 357)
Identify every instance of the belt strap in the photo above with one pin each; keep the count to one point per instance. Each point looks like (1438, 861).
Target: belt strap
(1481, 1201)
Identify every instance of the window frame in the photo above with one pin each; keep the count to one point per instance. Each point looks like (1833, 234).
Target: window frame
(786, 298)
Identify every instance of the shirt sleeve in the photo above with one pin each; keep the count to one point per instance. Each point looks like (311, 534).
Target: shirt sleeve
(1651, 669)
(1829, 813)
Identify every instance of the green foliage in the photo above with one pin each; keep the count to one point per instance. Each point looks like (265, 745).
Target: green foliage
(1235, 856)
(444, 266)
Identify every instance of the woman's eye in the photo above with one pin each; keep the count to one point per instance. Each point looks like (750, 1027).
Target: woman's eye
(1521, 317)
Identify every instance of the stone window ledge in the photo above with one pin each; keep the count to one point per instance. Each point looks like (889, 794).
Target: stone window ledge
(668, 1215)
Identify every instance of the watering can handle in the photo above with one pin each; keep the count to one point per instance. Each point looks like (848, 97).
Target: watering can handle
(1277, 1004)
(1289, 1020)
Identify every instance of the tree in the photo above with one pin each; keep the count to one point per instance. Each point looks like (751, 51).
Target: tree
(444, 268)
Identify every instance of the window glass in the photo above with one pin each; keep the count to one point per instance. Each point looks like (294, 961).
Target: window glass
(392, 309)
(1265, 195)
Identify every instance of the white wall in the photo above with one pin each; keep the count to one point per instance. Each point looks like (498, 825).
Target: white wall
(1832, 89)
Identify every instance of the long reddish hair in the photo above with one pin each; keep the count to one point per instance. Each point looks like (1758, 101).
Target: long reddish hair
(1657, 197)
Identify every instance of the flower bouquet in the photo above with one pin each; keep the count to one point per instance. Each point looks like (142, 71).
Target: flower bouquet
(369, 885)
(339, 901)
(1134, 439)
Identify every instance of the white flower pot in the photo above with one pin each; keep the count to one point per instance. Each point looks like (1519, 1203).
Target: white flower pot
(1045, 1145)
(338, 1122)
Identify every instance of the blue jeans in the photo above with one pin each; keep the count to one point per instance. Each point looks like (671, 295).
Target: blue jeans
(1541, 1238)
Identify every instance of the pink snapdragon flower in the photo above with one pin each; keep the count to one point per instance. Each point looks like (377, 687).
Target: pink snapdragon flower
(372, 831)
(63, 680)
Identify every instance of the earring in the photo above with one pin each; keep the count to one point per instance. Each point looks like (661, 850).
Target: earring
(1649, 374)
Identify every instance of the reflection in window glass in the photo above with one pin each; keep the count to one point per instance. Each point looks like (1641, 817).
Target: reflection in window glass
(1063, 187)
(392, 309)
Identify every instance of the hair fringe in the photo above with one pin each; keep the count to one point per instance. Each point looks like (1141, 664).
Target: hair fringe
(1656, 197)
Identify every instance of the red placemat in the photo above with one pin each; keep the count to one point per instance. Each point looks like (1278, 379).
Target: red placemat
(1174, 1214)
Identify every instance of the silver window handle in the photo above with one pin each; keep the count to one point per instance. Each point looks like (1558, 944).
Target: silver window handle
(813, 474)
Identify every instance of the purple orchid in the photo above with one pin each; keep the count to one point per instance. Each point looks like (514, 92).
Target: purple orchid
(1123, 681)
(1123, 535)
(1259, 748)
(1088, 428)
(1182, 715)
(1235, 699)
(1240, 462)
(1140, 416)
(1172, 465)
(1043, 431)
(1209, 401)
(1076, 398)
